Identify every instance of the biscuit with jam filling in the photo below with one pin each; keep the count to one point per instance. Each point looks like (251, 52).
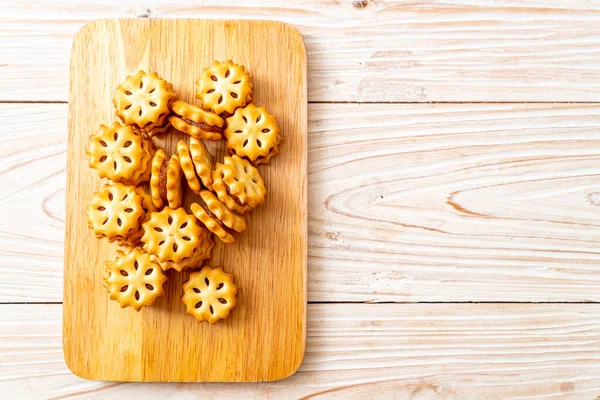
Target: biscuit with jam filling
(252, 133)
(223, 87)
(165, 181)
(217, 217)
(209, 294)
(196, 122)
(133, 279)
(144, 100)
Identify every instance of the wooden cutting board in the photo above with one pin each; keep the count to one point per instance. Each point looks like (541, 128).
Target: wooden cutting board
(264, 337)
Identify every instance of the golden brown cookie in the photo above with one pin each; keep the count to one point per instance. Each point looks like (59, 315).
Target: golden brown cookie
(149, 149)
(157, 129)
(144, 100)
(165, 181)
(134, 237)
(115, 212)
(243, 181)
(202, 253)
(202, 161)
(147, 203)
(209, 294)
(230, 219)
(120, 154)
(158, 179)
(174, 185)
(196, 122)
(171, 235)
(222, 192)
(133, 279)
(223, 87)
(217, 217)
(253, 133)
(206, 217)
(187, 166)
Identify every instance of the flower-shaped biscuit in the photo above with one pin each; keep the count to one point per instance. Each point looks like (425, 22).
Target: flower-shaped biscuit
(134, 237)
(133, 279)
(120, 154)
(202, 252)
(165, 181)
(243, 181)
(230, 219)
(202, 161)
(222, 192)
(156, 129)
(147, 203)
(187, 166)
(217, 217)
(253, 133)
(223, 87)
(212, 223)
(171, 235)
(196, 122)
(148, 147)
(144, 100)
(209, 294)
(115, 212)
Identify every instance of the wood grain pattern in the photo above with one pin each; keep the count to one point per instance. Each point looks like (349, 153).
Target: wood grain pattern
(264, 339)
(358, 351)
(446, 202)
(33, 143)
(366, 51)
(487, 243)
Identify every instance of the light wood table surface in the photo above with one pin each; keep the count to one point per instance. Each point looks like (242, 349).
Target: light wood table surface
(454, 198)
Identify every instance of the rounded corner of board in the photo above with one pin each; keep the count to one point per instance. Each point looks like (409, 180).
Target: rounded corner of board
(86, 30)
(76, 368)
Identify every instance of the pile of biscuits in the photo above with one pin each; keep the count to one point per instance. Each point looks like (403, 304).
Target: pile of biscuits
(148, 221)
